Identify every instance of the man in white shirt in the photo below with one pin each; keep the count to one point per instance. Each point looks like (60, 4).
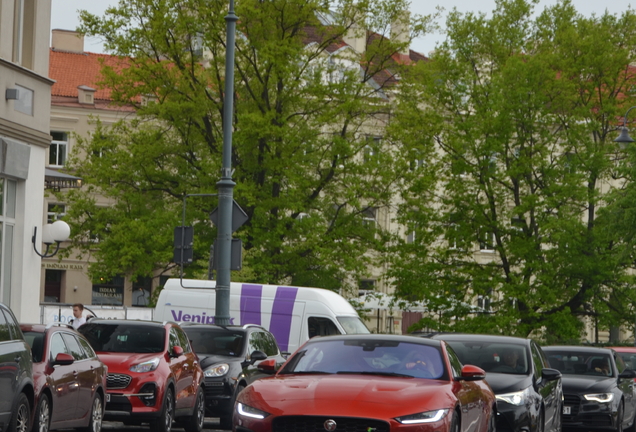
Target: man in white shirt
(78, 309)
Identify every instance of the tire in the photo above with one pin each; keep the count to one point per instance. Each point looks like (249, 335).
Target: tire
(96, 416)
(194, 423)
(619, 418)
(540, 426)
(226, 419)
(164, 422)
(21, 416)
(454, 424)
(631, 427)
(42, 418)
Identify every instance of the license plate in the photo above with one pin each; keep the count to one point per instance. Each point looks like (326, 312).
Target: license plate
(107, 397)
(567, 410)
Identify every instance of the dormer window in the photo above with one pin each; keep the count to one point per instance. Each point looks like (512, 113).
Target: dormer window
(86, 95)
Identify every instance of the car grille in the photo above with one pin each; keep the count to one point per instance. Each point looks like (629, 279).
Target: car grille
(574, 402)
(215, 389)
(117, 381)
(317, 424)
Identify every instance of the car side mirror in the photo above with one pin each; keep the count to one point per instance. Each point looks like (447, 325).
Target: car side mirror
(471, 373)
(550, 374)
(176, 351)
(267, 366)
(257, 356)
(627, 374)
(63, 359)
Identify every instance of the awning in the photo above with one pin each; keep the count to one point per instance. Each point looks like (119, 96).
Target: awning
(57, 180)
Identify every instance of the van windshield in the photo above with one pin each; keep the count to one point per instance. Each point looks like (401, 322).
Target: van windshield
(353, 325)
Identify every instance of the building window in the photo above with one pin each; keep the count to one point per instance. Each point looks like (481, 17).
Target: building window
(53, 285)
(58, 149)
(372, 148)
(486, 241)
(7, 224)
(110, 293)
(55, 212)
(365, 286)
(369, 217)
(142, 288)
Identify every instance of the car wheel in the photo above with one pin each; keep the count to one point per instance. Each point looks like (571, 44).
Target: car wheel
(226, 419)
(164, 422)
(21, 415)
(194, 423)
(540, 426)
(631, 427)
(42, 418)
(96, 416)
(454, 424)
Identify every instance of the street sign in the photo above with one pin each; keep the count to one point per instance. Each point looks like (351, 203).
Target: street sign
(239, 217)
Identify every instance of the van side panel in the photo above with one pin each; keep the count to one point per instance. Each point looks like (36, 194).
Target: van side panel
(251, 304)
(282, 315)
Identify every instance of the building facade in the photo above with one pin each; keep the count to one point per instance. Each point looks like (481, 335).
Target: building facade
(25, 88)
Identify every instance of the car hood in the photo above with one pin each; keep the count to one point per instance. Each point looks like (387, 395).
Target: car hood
(118, 362)
(507, 383)
(206, 360)
(587, 384)
(348, 395)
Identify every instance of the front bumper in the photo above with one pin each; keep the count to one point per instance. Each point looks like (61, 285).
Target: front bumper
(589, 415)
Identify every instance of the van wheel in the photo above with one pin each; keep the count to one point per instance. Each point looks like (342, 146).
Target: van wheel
(194, 423)
(21, 415)
(164, 422)
(42, 417)
(226, 420)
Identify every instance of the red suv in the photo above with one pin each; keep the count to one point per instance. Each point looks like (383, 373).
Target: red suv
(153, 375)
(70, 381)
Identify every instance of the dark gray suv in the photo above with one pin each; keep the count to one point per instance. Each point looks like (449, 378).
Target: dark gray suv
(16, 375)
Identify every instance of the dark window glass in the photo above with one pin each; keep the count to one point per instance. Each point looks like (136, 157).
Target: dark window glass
(87, 347)
(74, 347)
(183, 340)
(262, 341)
(5, 333)
(216, 341)
(36, 342)
(14, 327)
(493, 357)
(57, 346)
(124, 338)
(537, 360)
(319, 326)
(456, 364)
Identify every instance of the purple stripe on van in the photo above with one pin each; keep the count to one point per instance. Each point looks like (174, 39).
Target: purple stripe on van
(280, 325)
(251, 304)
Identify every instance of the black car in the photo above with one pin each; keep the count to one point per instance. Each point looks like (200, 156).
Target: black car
(16, 375)
(231, 358)
(528, 391)
(598, 388)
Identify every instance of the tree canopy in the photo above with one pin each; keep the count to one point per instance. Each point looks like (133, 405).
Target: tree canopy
(309, 111)
(515, 117)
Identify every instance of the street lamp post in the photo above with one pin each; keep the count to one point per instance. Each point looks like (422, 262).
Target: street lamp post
(226, 185)
(624, 137)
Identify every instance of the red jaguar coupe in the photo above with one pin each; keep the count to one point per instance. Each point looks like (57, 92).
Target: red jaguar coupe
(376, 383)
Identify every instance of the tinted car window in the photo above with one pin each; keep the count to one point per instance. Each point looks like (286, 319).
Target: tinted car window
(74, 347)
(629, 359)
(87, 347)
(14, 327)
(263, 342)
(456, 364)
(36, 342)
(5, 333)
(620, 364)
(215, 341)
(183, 339)
(491, 356)
(537, 360)
(124, 338)
(57, 346)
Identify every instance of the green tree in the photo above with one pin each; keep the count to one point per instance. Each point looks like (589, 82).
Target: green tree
(308, 167)
(515, 117)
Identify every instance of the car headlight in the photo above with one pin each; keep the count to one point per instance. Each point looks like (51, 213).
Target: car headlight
(217, 370)
(248, 411)
(516, 398)
(599, 397)
(146, 366)
(423, 417)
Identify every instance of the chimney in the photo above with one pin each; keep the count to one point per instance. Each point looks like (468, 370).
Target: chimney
(356, 38)
(401, 32)
(67, 40)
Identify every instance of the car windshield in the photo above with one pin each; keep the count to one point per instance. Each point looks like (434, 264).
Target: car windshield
(353, 325)
(124, 338)
(580, 363)
(380, 357)
(493, 357)
(215, 341)
(629, 359)
(36, 342)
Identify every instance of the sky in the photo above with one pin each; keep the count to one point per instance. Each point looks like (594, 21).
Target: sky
(64, 14)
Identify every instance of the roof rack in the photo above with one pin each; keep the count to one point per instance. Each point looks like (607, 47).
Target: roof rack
(58, 324)
(253, 325)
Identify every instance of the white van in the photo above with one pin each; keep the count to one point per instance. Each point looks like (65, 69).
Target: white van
(292, 314)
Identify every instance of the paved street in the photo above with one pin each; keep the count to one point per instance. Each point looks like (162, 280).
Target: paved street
(211, 425)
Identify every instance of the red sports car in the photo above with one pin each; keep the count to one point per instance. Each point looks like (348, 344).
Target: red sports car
(369, 383)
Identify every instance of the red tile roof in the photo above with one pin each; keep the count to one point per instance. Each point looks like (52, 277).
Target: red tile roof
(71, 70)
